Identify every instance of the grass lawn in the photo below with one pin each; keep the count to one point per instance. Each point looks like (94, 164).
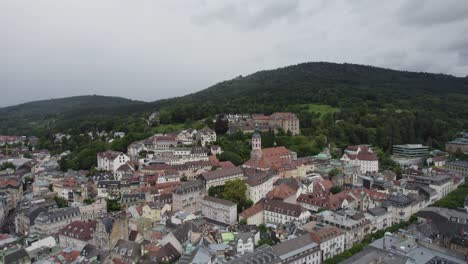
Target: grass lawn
(322, 109)
(162, 129)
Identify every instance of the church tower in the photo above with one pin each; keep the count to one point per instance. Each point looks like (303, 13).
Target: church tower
(256, 152)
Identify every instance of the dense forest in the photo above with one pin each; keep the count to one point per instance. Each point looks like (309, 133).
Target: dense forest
(338, 104)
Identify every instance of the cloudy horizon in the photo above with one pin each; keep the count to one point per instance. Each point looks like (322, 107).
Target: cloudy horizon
(149, 50)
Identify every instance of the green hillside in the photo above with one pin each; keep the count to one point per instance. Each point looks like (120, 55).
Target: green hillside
(63, 113)
(342, 103)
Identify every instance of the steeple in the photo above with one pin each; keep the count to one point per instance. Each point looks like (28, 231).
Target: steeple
(256, 152)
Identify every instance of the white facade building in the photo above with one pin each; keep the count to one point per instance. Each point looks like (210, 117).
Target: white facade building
(220, 210)
(111, 160)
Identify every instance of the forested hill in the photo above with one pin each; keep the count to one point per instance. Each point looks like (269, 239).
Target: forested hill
(369, 105)
(60, 113)
(321, 82)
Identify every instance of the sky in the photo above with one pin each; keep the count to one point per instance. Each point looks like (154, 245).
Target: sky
(154, 49)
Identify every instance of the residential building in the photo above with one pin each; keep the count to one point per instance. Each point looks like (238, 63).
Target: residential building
(331, 240)
(206, 136)
(77, 234)
(403, 206)
(363, 156)
(274, 212)
(221, 176)
(458, 145)
(458, 166)
(111, 160)
(302, 249)
(108, 189)
(49, 222)
(219, 210)
(382, 218)
(414, 251)
(129, 199)
(126, 251)
(355, 225)
(438, 161)
(15, 256)
(187, 196)
(94, 210)
(258, 183)
(263, 254)
(441, 183)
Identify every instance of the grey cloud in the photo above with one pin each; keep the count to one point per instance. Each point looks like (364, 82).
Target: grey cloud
(152, 49)
(248, 14)
(433, 12)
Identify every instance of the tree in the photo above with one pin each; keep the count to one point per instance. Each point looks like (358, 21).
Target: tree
(335, 189)
(231, 156)
(61, 202)
(113, 205)
(88, 201)
(266, 241)
(221, 126)
(7, 165)
(334, 172)
(233, 191)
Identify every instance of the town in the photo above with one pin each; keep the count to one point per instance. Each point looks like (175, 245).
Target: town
(177, 197)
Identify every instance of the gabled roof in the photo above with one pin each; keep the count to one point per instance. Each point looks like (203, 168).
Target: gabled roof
(79, 230)
(110, 154)
(222, 173)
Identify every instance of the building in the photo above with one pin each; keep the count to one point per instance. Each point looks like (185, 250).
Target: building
(126, 251)
(355, 225)
(263, 254)
(363, 156)
(403, 206)
(410, 154)
(413, 250)
(94, 210)
(277, 158)
(49, 222)
(458, 145)
(15, 256)
(109, 230)
(129, 199)
(111, 160)
(77, 234)
(108, 189)
(160, 143)
(187, 197)
(288, 122)
(221, 176)
(438, 161)
(331, 240)
(258, 183)
(441, 183)
(458, 166)
(206, 136)
(274, 212)
(219, 210)
(301, 249)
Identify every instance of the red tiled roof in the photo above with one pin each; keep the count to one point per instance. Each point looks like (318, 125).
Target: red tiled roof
(110, 154)
(256, 208)
(281, 192)
(325, 234)
(79, 230)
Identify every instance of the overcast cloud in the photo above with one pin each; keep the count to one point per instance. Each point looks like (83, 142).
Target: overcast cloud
(150, 49)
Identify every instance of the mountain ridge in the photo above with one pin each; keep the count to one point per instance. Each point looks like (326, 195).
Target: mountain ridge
(343, 85)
